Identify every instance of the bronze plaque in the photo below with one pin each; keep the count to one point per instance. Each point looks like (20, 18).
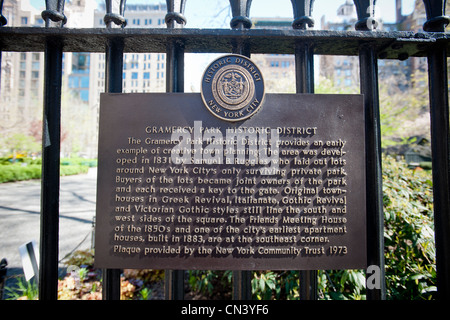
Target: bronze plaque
(180, 188)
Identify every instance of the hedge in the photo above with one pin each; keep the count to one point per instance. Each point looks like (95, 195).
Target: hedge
(19, 172)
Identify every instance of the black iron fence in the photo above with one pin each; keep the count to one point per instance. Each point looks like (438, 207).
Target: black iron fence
(302, 41)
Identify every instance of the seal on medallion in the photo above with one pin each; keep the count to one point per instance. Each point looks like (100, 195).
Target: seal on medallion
(232, 88)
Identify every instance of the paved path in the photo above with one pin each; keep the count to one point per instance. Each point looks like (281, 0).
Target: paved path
(20, 215)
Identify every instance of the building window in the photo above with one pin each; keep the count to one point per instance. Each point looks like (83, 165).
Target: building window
(134, 75)
(24, 20)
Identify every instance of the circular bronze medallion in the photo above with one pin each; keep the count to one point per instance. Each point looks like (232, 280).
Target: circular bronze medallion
(232, 88)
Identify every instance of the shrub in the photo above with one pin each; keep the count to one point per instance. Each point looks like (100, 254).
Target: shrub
(211, 284)
(72, 170)
(17, 172)
(25, 171)
(408, 233)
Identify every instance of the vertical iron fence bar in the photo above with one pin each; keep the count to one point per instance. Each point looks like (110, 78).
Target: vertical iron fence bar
(174, 279)
(439, 116)
(51, 133)
(304, 67)
(49, 247)
(440, 148)
(242, 285)
(240, 21)
(175, 66)
(368, 63)
(242, 288)
(304, 77)
(113, 76)
(374, 181)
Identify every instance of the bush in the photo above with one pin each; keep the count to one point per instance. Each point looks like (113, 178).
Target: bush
(73, 169)
(18, 172)
(79, 161)
(408, 233)
(211, 284)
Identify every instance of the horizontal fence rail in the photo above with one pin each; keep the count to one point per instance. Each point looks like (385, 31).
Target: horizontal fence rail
(303, 42)
(389, 45)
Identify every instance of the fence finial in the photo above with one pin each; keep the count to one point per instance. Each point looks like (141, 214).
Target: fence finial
(436, 18)
(54, 12)
(302, 14)
(3, 20)
(115, 10)
(175, 13)
(240, 10)
(365, 9)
